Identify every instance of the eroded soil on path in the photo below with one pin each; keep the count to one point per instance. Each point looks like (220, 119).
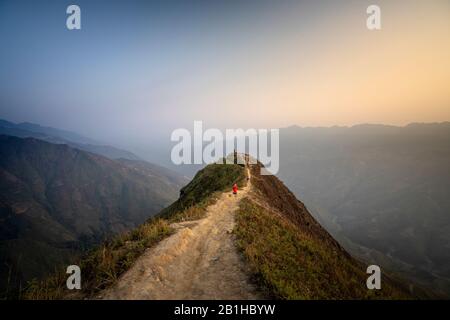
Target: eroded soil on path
(199, 261)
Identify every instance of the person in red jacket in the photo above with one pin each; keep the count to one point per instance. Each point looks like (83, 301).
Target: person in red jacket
(235, 188)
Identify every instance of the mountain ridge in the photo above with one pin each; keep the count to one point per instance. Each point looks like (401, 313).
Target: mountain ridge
(285, 251)
(383, 195)
(58, 136)
(57, 201)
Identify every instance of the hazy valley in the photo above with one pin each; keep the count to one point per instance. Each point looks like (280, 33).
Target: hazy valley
(382, 191)
(57, 201)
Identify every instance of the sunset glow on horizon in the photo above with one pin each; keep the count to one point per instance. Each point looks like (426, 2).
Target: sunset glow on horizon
(230, 65)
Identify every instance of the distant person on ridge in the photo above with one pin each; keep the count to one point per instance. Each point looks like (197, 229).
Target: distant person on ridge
(235, 188)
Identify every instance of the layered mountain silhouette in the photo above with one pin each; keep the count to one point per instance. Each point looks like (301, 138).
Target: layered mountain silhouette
(56, 201)
(57, 136)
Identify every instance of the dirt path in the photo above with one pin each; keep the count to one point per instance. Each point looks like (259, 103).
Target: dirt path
(199, 261)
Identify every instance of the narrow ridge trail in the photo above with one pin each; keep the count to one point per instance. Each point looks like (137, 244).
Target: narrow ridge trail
(199, 261)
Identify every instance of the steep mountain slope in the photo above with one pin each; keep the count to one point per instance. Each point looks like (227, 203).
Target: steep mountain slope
(103, 266)
(382, 191)
(199, 261)
(293, 256)
(57, 136)
(56, 201)
(213, 244)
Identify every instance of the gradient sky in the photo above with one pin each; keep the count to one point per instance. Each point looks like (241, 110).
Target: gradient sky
(140, 69)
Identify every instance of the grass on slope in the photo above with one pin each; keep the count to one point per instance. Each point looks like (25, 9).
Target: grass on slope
(289, 265)
(102, 266)
(208, 181)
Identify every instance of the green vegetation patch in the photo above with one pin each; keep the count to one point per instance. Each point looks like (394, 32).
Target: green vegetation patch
(211, 180)
(290, 265)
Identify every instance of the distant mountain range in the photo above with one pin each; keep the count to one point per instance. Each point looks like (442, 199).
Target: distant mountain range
(382, 191)
(56, 201)
(31, 130)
